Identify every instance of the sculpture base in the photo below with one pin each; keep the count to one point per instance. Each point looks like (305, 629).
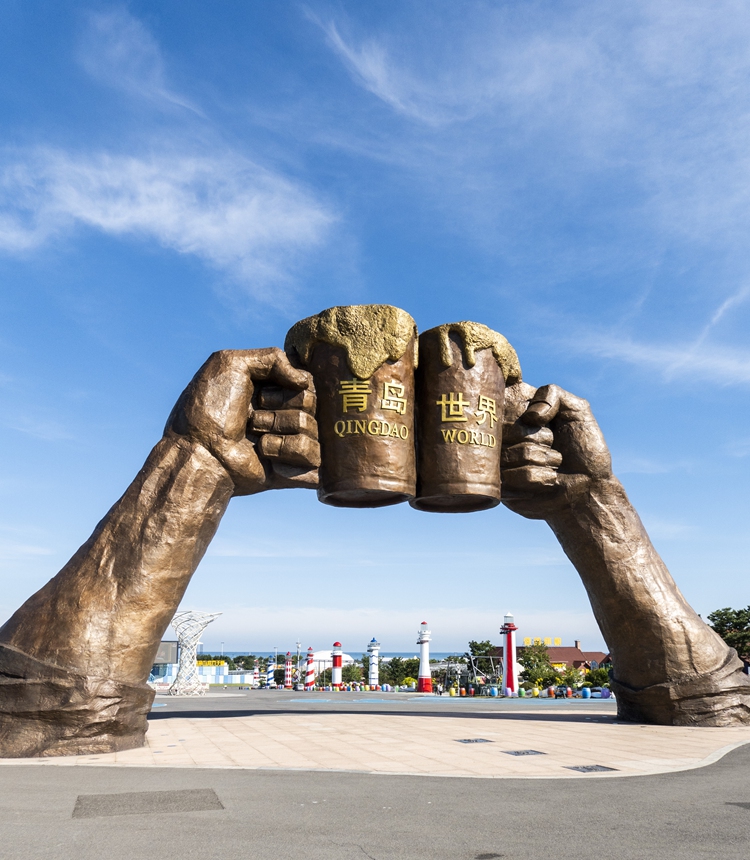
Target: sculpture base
(719, 699)
(47, 711)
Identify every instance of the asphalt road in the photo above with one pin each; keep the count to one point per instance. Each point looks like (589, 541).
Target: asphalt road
(220, 704)
(70, 812)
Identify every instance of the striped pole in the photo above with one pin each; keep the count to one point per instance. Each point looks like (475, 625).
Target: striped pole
(510, 680)
(270, 669)
(424, 681)
(288, 683)
(336, 668)
(310, 671)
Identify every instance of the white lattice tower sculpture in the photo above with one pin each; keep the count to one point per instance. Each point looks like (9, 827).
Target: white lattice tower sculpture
(189, 625)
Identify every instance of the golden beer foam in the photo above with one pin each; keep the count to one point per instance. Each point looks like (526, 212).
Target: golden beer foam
(476, 337)
(369, 334)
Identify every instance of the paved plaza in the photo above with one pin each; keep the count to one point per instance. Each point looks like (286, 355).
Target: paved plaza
(412, 736)
(263, 774)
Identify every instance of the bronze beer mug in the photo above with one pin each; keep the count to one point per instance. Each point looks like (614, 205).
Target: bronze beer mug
(463, 369)
(362, 358)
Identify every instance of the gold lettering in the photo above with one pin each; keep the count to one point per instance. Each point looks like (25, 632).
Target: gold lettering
(452, 407)
(475, 438)
(449, 435)
(493, 442)
(465, 437)
(487, 406)
(354, 394)
(393, 397)
(376, 427)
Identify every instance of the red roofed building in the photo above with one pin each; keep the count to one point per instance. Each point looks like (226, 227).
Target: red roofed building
(562, 656)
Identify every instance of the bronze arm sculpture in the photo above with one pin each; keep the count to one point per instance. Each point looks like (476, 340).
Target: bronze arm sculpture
(668, 666)
(75, 658)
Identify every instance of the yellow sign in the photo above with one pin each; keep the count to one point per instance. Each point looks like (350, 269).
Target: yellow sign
(210, 662)
(537, 641)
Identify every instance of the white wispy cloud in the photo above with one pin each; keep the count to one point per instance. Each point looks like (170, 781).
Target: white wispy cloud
(370, 66)
(648, 102)
(175, 183)
(632, 464)
(720, 365)
(235, 215)
(119, 51)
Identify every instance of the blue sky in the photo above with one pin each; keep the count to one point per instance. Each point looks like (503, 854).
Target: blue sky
(182, 177)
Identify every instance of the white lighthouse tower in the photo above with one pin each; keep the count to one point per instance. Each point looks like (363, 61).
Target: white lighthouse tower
(336, 659)
(424, 682)
(373, 651)
(510, 678)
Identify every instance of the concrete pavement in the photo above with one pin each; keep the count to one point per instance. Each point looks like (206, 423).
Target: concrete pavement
(284, 775)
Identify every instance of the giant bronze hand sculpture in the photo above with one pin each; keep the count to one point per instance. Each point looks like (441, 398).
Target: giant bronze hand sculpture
(668, 666)
(75, 657)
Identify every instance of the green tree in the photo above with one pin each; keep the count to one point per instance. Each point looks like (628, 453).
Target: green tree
(394, 670)
(733, 625)
(351, 673)
(537, 669)
(597, 677)
(478, 650)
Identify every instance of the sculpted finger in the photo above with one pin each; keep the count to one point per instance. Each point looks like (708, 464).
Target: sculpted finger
(530, 455)
(549, 401)
(529, 478)
(272, 365)
(287, 476)
(284, 421)
(298, 450)
(272, 397)
(543, 406)
(515, 433)
(517, 398)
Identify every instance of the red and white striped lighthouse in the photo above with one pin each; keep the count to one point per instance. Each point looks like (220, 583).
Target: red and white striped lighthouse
(288, 684)
(310, 671)
(424, 681)
(336, 657)
(510, 679)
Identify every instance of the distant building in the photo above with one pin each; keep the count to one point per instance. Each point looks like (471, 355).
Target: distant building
(564, 657)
